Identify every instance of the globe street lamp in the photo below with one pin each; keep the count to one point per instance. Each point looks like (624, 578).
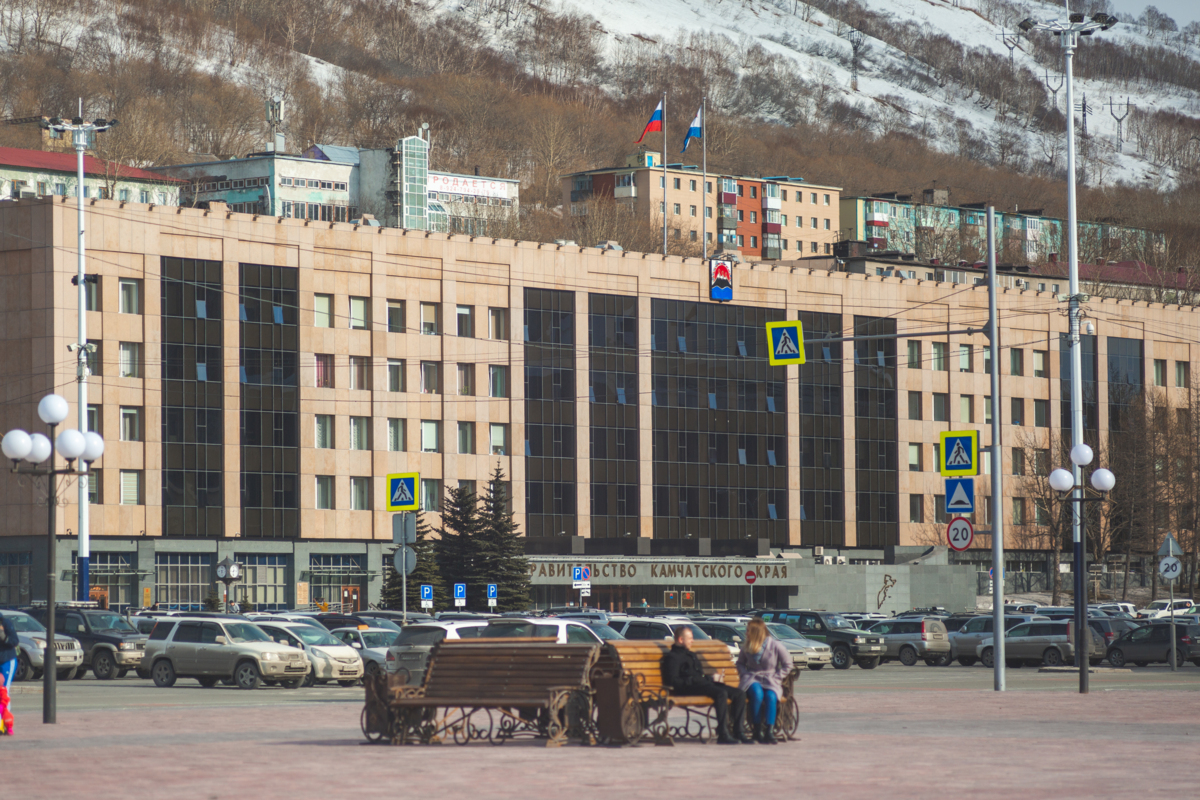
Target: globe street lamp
(36, 449)
(1064, 481)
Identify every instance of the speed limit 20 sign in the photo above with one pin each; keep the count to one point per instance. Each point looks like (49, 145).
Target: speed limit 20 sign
(960, 534)
(1169, 568)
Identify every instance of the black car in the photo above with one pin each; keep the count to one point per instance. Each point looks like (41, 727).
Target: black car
(111, 645)
(1152, 643)
(850, 644)
(332, 620)
(1112, 629)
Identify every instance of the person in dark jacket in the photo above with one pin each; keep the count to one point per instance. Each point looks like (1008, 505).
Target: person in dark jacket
(8, 670)
(683, 674)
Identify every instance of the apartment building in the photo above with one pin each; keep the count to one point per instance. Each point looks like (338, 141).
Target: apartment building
(935, 230)
(257, 378)
(762, 218)
(38, 173)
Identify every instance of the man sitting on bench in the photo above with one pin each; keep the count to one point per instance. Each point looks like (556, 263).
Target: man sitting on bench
(683, 674)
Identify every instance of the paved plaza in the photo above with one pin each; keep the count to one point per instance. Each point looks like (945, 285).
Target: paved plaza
(894, 732)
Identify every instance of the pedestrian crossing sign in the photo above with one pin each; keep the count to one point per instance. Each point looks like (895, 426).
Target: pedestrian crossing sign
(402, 491)
(786, 340)
(959, 453)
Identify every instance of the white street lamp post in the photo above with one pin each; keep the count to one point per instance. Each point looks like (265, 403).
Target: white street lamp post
(1068, 32)
(80, 133)
(37, 448)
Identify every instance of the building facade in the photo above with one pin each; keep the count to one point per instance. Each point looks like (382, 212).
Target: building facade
(37, 173)
(257, 378)
(762, 218)
(935, 230)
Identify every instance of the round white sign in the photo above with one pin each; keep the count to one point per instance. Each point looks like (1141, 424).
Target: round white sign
(960, 534)
(1170, 568)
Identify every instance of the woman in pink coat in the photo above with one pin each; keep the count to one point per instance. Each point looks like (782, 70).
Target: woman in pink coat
(763, 664)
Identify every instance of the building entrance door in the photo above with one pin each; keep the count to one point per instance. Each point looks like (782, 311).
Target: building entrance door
(350, 599)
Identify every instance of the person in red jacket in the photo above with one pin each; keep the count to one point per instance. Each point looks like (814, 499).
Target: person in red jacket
(8, 670)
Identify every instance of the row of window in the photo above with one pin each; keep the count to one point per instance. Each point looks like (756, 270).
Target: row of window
(359, 368)
(359, 317)
(769, 190)
(317, 212)
(397, 435)
(472, 199)
(46, 189)
(129, 294)
(1019, 507)
(966, 409)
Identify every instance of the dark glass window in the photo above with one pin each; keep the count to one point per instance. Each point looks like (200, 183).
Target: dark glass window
(821, 433)
(876, 472)
(550, 475)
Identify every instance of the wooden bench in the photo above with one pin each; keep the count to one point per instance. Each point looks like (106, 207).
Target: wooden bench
(493, 689)
(632, 701)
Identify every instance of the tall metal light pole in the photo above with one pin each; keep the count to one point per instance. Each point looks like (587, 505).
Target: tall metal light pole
(81, 132)
(1069, 31)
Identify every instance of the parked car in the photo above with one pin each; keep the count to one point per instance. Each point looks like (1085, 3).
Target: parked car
(563, 631)
(371, 643)
(647, 628)
(912, 639)
(31, 646)
(1112, 629)
(928, 611)
(1162, 608)
(1020, 608)
(849, 644)
(111, 645)
(1120, 608)
(408, 655)
(1152, 644)
(212, 650)
(332, 620)
(594, 616)
(303, 619)
(1050, 643)
(964, 643)
(329, 658)
(804, 652)
(398, 617)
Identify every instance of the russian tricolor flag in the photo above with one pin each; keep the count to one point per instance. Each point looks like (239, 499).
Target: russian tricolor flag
(655, 123)
(695, 130)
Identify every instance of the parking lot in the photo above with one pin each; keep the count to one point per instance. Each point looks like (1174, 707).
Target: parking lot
(894, 731)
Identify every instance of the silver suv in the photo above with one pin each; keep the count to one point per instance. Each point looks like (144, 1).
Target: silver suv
(966, 640)
(911, 639)
(31, 649)
(211, 650)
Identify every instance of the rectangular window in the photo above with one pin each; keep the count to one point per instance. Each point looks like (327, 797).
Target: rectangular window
(498, 323)
(324, 375)
(754, 217)
(94, 416)
(1041, 413)
(130, 365)
(939, 509)
(466, 321)
(1018, 461)
(826, 200)
(395, 316)
(1016, 361)
(131, 424)
(692, 209)
(914, 458)
(966, 358)
(95, 490)
(395, 368)
(916, 508)
(130, 290)
(499, 439)
(466, 379)
(431, 495)
(1039, 363)
(429, 319)
(360, 318)
(360, 433)
(324, 431)
(323, 311)
(325, 492)
(1018, 511)
(360, 372)
(1181, 375)
(676, 208)
(396, 437)
(914, 405)
(987, 411)
(941, 407)
(360, 494)
(1018, 411)
(987, 359)
(498, 381)
(827, 223)
(1041, 462)
(466, 438)
(966, 407)
(754, 241)
(914, 354)
(431, 436)
(1160, 372)
(91, 291)
(813, 223)
(431, 377)
(939, 357)
(131, 487)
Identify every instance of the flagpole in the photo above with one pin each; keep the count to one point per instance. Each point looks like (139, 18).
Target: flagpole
(704, 179)
(664, 166)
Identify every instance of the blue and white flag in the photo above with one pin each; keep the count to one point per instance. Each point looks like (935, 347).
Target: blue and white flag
(695, 131)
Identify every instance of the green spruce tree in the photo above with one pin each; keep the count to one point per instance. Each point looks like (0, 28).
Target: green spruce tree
(461, 553)
(426, 571)
(507, 566)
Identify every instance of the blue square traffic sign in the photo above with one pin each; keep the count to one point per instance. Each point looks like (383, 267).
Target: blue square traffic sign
(460, 591)
(958, 454)
(576, 573)
(960, 496)
(426, 591)
(491, 591)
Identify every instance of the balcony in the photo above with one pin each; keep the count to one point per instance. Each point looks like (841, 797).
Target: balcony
(772, 253)
(581, 195)
(771, 203)
(725, 223)
(621, 192)
(772, 227)
(727, 198)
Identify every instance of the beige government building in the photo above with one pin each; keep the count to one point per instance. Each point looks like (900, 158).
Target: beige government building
(256, 378)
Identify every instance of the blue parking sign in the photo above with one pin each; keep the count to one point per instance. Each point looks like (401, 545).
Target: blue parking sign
(576, 573)
(426, 591)
(460, 591)
(491, 591)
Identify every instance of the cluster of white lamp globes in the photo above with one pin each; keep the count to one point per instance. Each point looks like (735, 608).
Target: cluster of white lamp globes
(1062, 480)
(35, 447)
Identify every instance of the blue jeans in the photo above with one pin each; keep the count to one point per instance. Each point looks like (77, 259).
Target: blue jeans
(763, 704)
(8, 670)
